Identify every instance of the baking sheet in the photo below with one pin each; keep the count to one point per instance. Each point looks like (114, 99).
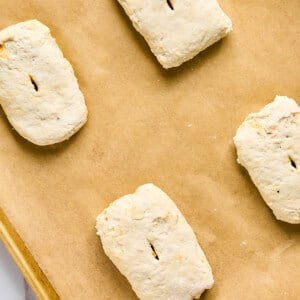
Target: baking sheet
(34, 276)
(173, 128)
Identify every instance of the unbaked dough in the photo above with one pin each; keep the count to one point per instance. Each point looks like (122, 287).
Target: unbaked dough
(151, 243)
(268, 146)
(177, 30)
(38, 89)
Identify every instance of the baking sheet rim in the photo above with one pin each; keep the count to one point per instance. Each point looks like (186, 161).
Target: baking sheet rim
(24, 260)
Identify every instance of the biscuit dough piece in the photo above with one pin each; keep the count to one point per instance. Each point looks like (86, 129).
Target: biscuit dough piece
(268, 146)
(151, 243)
(177, 30)
(38, 90)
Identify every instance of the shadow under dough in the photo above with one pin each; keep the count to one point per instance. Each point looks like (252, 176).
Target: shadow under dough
(35, 149)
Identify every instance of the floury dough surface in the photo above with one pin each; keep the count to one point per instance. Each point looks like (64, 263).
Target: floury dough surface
(177, 30)
(38, 90)
(149, 240)
(268, 146)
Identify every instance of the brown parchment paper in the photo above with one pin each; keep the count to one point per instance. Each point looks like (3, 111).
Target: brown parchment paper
(173, 128)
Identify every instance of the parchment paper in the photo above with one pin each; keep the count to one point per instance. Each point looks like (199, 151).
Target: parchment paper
(173, 128)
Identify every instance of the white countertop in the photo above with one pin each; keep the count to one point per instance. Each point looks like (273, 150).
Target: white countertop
(12, 283)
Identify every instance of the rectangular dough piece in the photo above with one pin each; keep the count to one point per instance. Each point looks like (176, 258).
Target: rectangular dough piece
(177, 30)
(151, 243)
(39, 92)
(268, 146)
